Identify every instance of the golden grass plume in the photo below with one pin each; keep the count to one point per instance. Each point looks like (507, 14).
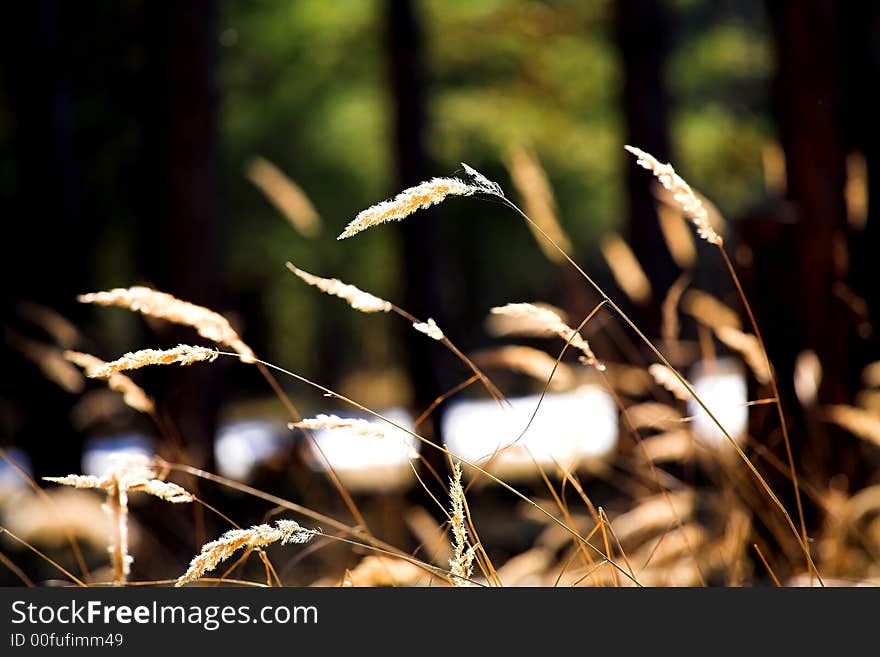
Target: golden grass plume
(691, 205)
(209, 324)
(859, 422)
(285, 195)
(430, 329)
(462, 562)
(132, 394)
(181, 354)
(709, 310)
(678, 238)
(539, 321)
(666, 378)
(258, 536)
(424, 195)
(529, 361)
(356, 298)
(62, 331)
(49, 360)
(359, 426)
(748, 346)
(625, 268)
(127, 473)
(531, 182)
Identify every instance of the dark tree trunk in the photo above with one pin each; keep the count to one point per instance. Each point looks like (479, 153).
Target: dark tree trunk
(45, 238)
(182, 232)
(423, 267)
(861, 73)
(641, 32)
(808, 99)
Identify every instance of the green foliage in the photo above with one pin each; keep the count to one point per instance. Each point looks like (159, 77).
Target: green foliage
(304, 84)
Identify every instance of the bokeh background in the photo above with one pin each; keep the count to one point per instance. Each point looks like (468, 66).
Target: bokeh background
(138, 141)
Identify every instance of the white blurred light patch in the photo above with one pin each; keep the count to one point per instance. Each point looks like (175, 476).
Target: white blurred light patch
(722, 386)
(242, 445)
(368, 462)
(568, 428)
(98, 453)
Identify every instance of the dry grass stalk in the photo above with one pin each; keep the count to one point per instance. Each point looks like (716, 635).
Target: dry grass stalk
(501, 326)
(430, 329)
(859, 422)
(132, 394)
(50, 362)
(529, 361)
(356, 298)
(462, 562)
(543, 322)
(531, 182)
(286, 195)
(666, 378)
(626, 269)
(127, 474)
(181, 354)
(691, 205)
(258, 536)
(678, 238)
(748, 346)
(709, 310)
(209, 324)
(333, 422)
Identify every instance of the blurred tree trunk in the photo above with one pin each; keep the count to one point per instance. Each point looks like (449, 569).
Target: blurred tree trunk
(861, 72)
(45, 236)
(181, 238)
(421, 238)
(641, 30)
(808, 101)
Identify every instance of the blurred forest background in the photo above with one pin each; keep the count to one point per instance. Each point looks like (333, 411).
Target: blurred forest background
(129, 133)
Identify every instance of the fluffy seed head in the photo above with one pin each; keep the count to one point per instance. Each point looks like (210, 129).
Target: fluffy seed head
(527, 360)
(210, 325)
(430, 329)
(543, 322)
(181, 354)
(461, 564)
(407, 202)
(859, 422)
(356, 298)
(359, 426)
(284, 531)
(681, 192)
(748, 347)
(132, 394)
(666, 378)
